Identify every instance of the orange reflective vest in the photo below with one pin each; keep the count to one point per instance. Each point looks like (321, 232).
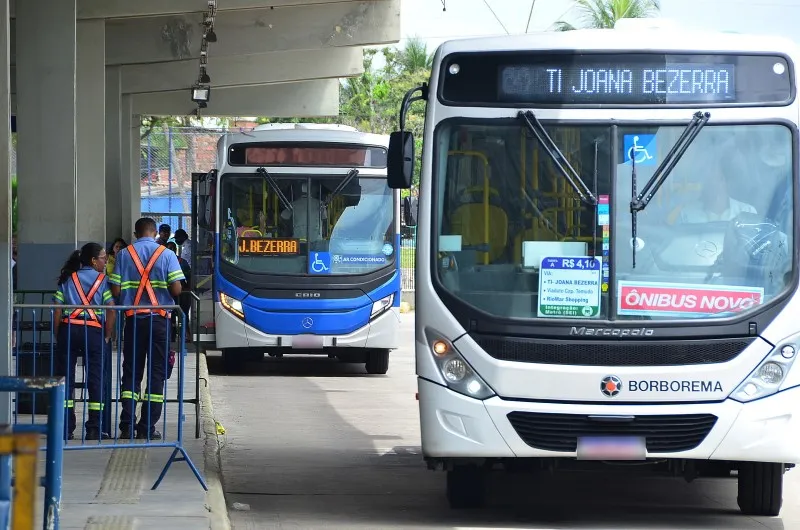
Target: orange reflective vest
(144, 282)
(92, 321)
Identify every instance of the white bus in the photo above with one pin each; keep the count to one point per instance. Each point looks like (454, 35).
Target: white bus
(303, 237)
(606, 263)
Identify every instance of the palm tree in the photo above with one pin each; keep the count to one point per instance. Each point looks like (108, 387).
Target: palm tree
(413, 57)
(603, 14)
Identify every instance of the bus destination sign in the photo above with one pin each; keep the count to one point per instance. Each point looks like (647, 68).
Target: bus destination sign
(263, 246)
(621, 83)
(626, 79)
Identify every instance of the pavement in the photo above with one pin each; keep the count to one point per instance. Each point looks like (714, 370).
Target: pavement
(309, 442)
(314, 443)
(111, 488)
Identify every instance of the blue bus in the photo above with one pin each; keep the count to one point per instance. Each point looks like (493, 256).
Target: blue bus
(302, 234)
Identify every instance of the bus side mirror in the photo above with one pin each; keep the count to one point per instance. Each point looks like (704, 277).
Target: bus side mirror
(400, 160)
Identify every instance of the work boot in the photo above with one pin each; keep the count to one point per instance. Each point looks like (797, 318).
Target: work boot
(93, 433)
(142, 434)
(127, 433)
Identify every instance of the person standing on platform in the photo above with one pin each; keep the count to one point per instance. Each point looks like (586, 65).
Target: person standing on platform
(83, 331)
(145, 275)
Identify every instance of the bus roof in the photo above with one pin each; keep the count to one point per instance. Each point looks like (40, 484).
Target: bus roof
(284, 126)
(314, 135)
(626, 38)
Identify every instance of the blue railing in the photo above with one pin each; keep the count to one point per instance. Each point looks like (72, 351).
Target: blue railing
(54, 388)
(111, 376)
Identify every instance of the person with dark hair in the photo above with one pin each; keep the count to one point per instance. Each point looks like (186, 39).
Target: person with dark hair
(145, 275)
(185, 299)
(115, 247)
(164, 232)
(185, 246)
(84, 331)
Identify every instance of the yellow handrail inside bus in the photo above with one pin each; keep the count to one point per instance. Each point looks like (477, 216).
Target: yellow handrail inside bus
(486, 192)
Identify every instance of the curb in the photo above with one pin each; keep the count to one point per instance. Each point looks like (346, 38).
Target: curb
(215, 498)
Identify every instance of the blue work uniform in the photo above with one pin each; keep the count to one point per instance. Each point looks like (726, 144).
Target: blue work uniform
(80, 332)
(144, 272)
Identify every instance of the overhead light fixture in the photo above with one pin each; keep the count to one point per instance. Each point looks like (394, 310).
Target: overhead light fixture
(201, 95)
(209, 35)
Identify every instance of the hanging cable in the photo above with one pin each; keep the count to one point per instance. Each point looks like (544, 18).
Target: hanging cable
(530, 15)
(201, 90)
(496, 17)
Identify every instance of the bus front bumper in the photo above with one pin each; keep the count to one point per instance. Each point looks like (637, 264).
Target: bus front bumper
(457, 426)
(380, 332)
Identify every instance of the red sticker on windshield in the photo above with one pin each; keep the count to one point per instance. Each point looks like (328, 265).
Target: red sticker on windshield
(645, 298)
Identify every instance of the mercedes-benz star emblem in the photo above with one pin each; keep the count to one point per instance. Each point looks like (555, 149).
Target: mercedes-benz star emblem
(610, 386)
(308, 322)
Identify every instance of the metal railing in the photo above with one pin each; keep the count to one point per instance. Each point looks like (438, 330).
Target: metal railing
(24, 440)
(28, 326)
(143, 349)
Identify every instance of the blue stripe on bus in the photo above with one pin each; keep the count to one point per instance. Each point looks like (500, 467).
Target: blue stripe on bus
(283, 304)
(283, 323)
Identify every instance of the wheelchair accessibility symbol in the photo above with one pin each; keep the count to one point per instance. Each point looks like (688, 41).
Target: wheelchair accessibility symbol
(319, 263)
(641, 148)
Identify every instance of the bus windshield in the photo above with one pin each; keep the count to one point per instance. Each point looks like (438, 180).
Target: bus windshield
(272, 223)
(515, 240)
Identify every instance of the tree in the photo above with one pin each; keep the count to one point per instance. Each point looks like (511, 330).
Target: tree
(604, 14)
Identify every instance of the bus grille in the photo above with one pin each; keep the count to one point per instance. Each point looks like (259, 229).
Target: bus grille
(663, 434)
(612, 353)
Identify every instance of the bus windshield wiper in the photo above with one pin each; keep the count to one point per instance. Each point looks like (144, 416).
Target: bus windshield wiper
(639, 201)
(274, 185)
(558, 158)
(353, 173)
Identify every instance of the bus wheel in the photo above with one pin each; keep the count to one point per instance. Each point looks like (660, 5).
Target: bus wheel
(760, 488)
(466, 487)
(234, 359)
(378, 362)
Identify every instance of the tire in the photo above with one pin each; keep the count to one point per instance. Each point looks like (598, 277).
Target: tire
(235, 359)
(378, 362)
(760, 488)
(466, 487)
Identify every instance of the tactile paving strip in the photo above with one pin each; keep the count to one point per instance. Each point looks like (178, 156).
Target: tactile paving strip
(122, 481)
(110, 522)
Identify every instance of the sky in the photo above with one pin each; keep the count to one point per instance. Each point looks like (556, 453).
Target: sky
(467, 18)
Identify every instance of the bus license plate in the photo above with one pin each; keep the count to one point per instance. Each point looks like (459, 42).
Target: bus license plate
(612, 448)
(307, 342)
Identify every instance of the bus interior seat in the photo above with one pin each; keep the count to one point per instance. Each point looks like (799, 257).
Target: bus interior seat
(468, 221)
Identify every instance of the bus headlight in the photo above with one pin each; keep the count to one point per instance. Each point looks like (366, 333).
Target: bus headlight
(458, 374)
(382, 305)
(768, 376)
(232, 304)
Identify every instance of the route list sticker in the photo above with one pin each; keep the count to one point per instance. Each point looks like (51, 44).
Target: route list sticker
(569, 287)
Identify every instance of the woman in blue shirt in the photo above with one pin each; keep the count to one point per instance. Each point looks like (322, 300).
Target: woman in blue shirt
(84, 331)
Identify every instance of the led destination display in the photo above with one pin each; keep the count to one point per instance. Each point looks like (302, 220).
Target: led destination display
(571, 78)
(262, 246)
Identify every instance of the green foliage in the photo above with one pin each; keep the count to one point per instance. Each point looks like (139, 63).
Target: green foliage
(371, 101)
(603, 14)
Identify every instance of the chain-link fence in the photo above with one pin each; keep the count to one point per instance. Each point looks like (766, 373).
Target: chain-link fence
(408, 257)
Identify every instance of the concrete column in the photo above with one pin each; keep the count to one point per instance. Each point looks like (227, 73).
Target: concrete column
(114, 155)
(91, 130)
(129, 188)
(5, 206)
(46, 166)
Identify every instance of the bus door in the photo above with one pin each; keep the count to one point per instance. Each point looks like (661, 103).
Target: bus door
(202, 237)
